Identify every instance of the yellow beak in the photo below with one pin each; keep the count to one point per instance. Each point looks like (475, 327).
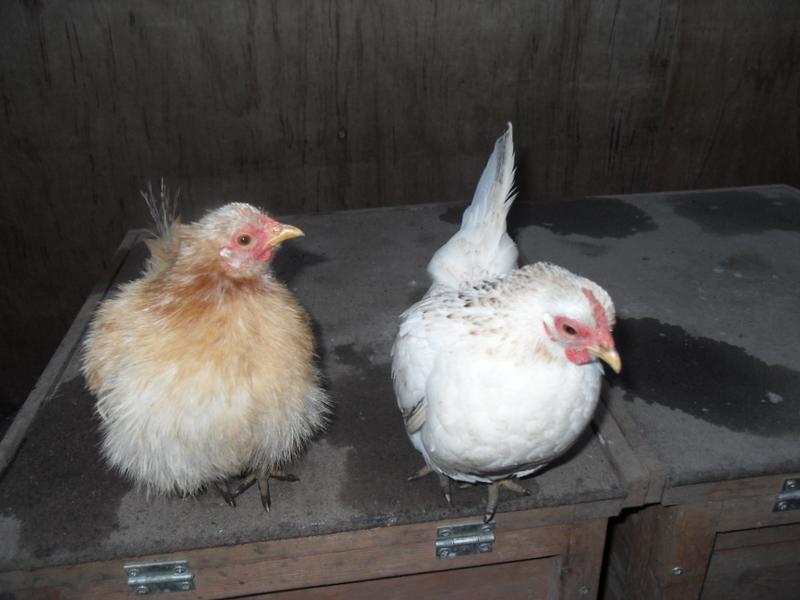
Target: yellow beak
(610, 357)
(286, 232)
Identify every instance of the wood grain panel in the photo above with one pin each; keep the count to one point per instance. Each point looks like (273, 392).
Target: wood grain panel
(311, 106)
(731, 114)
(756, 564)
(533, 579)
(299, 106)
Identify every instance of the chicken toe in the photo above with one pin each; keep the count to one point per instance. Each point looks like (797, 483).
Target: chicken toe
(444, 485)
(512, 485)
(247, 482)
(282, 475)
(491, 503)
(225, 492)
(444, 482)
(494, 495)
(422, 472)
(263, 490)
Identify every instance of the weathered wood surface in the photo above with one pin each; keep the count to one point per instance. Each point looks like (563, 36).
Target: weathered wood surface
(51, 377)
(724, 490)
(707, 388)
(353, 477)
(638, 468)
(305, 106)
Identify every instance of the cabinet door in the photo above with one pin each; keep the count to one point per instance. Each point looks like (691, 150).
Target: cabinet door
(535, 579)
(755, 564)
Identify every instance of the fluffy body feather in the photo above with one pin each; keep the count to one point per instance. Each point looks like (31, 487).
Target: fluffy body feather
(495, 369)
(203, 368)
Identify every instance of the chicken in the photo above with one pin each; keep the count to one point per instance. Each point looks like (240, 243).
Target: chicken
(497, 369)
(203, 368)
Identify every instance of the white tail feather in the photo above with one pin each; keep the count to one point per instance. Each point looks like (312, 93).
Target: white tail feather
(164, 245)
(163, 210)
(482, 249)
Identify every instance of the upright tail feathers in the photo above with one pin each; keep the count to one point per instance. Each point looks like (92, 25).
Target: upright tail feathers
(482, 249)
(163, 210)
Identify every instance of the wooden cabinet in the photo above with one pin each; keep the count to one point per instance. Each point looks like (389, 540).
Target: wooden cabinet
(691, 445)
(716, 542)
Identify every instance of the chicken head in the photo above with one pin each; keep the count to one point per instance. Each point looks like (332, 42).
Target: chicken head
(584, 339)
(242, 237)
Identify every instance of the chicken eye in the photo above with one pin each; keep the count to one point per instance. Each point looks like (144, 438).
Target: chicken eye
(244, 240)
(569, 330)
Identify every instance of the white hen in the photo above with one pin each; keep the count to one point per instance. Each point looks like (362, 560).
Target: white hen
(496, 369)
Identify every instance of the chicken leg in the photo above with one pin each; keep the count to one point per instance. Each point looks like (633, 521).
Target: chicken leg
(263, 486)
(494, 494)
(444, 482)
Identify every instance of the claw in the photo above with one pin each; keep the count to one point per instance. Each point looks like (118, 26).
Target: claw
(444, 482)
(222, 488)
(491, 503)
(444, 485)
(263, 486)
(263, 490)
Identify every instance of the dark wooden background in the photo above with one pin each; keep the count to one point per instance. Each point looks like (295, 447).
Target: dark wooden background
(303, 106)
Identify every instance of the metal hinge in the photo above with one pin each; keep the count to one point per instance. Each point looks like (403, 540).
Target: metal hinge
(461, 540)
(789, 498)
(157, 577)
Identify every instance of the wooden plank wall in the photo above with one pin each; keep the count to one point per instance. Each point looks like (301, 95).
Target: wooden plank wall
(312, 105)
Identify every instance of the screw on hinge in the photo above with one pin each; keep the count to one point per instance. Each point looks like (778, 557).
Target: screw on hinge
(584, 589)
(462, 540)
(160, 576)
(678, 571)
(789, 496)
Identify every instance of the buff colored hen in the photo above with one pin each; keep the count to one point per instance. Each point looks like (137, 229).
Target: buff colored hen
(203, 368)
(496, 370)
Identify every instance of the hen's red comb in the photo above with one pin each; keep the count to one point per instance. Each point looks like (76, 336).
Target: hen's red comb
(600, 317)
